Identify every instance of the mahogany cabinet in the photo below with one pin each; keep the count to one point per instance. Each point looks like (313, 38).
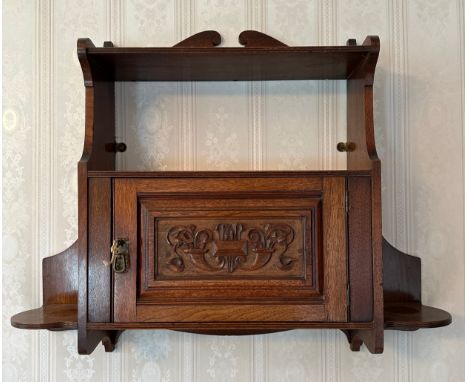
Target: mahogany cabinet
(230, 253)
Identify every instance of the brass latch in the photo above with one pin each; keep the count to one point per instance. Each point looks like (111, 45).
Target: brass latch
(120, 258)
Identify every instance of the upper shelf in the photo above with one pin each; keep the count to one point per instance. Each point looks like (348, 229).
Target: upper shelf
(197, 59)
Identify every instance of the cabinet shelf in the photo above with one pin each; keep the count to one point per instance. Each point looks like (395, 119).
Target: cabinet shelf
(230, 252)
(397, 316)
(185, 62)
(412, 316)
(54, 317)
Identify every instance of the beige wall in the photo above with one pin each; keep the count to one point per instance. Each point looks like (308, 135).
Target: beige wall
(223, 126)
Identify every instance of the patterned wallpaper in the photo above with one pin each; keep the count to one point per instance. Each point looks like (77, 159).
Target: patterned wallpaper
(223, 126)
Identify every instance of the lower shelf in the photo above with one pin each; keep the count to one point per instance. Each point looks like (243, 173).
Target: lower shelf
(398, 316)
(52, 317)
(413, 316)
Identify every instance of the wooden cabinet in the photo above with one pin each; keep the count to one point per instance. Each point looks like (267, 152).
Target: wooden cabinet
(229, 252)
(232, 249)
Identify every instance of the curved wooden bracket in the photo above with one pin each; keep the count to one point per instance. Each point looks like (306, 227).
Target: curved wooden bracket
(60, 294)
(372, 338)
(82, 46)
(403, 309)
(401, 275)
(205, 39)
(255, 39)
(354, 341)
(366, 70)
(360, 117)
(110, 341)
(60, 277)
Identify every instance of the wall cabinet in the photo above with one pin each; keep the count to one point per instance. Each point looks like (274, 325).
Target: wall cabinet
(230, 253)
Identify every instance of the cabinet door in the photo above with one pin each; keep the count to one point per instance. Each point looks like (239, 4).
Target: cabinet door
(231, 249)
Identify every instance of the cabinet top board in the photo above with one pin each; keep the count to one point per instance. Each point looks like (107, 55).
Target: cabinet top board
(198, 59)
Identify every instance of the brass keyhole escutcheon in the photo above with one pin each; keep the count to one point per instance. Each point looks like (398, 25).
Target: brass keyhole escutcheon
(120, 258)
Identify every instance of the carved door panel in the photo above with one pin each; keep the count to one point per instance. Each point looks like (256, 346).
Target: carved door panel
(213, 250)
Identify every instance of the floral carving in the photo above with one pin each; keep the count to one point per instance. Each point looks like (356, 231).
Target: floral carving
(229, 247)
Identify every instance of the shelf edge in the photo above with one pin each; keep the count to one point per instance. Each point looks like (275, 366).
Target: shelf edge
(413, 316)
(56, 317)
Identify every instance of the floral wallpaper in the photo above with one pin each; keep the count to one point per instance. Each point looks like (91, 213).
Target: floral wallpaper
(228, 126)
